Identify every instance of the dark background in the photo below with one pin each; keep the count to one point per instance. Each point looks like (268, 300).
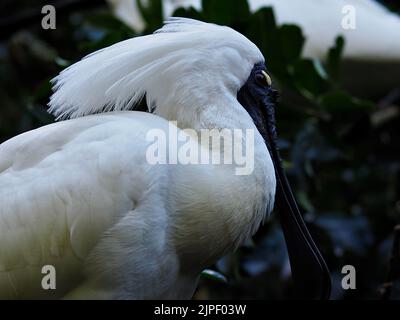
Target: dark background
(341, 151)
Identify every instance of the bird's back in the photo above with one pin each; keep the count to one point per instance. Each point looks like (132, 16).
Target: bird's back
(62, 187)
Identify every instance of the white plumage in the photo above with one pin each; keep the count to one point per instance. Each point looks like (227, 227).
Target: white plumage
(174, 66)
(80, 195)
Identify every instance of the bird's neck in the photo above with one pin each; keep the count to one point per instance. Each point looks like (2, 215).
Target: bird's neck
(229, 205)
(219, 117)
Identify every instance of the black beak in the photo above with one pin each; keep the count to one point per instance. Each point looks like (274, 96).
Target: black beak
(309, 270)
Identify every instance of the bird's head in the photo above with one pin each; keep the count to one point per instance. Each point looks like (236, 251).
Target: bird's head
(190, 63)
(184, 61)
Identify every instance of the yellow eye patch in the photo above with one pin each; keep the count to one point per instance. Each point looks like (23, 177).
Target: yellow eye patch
(267, 77)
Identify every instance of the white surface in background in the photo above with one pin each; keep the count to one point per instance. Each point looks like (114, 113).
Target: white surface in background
(376, 37)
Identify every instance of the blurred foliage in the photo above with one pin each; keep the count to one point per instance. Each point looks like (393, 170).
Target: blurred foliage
(341, 152)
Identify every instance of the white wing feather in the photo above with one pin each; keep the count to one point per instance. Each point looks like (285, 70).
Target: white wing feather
(166, 67)
(41, 172)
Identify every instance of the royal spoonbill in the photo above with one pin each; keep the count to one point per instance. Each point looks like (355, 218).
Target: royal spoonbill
(81, 198)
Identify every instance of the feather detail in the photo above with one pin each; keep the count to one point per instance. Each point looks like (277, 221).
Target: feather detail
(159, 66)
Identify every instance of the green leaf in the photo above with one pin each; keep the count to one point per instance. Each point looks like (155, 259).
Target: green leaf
(43, 90)
(39, 113)
(319, 68)
(264, 18)
(309, 78)
(105, 21)
(152, 14)
(334, 57)
(213, 275)
(62, 62)
(342, 102)
(226, 12)
(262, 29)
(291, 41)
(188, 13)
(304, 201)
(109, 38)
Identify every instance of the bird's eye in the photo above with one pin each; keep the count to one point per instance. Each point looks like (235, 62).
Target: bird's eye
(260, 79)
(263, 78)
(267, 77)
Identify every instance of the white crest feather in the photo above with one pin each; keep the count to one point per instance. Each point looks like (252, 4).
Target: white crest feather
(184, 59)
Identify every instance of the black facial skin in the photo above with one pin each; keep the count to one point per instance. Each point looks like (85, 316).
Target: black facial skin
(309, 271)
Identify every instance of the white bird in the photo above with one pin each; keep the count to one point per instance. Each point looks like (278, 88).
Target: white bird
(80, 195)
